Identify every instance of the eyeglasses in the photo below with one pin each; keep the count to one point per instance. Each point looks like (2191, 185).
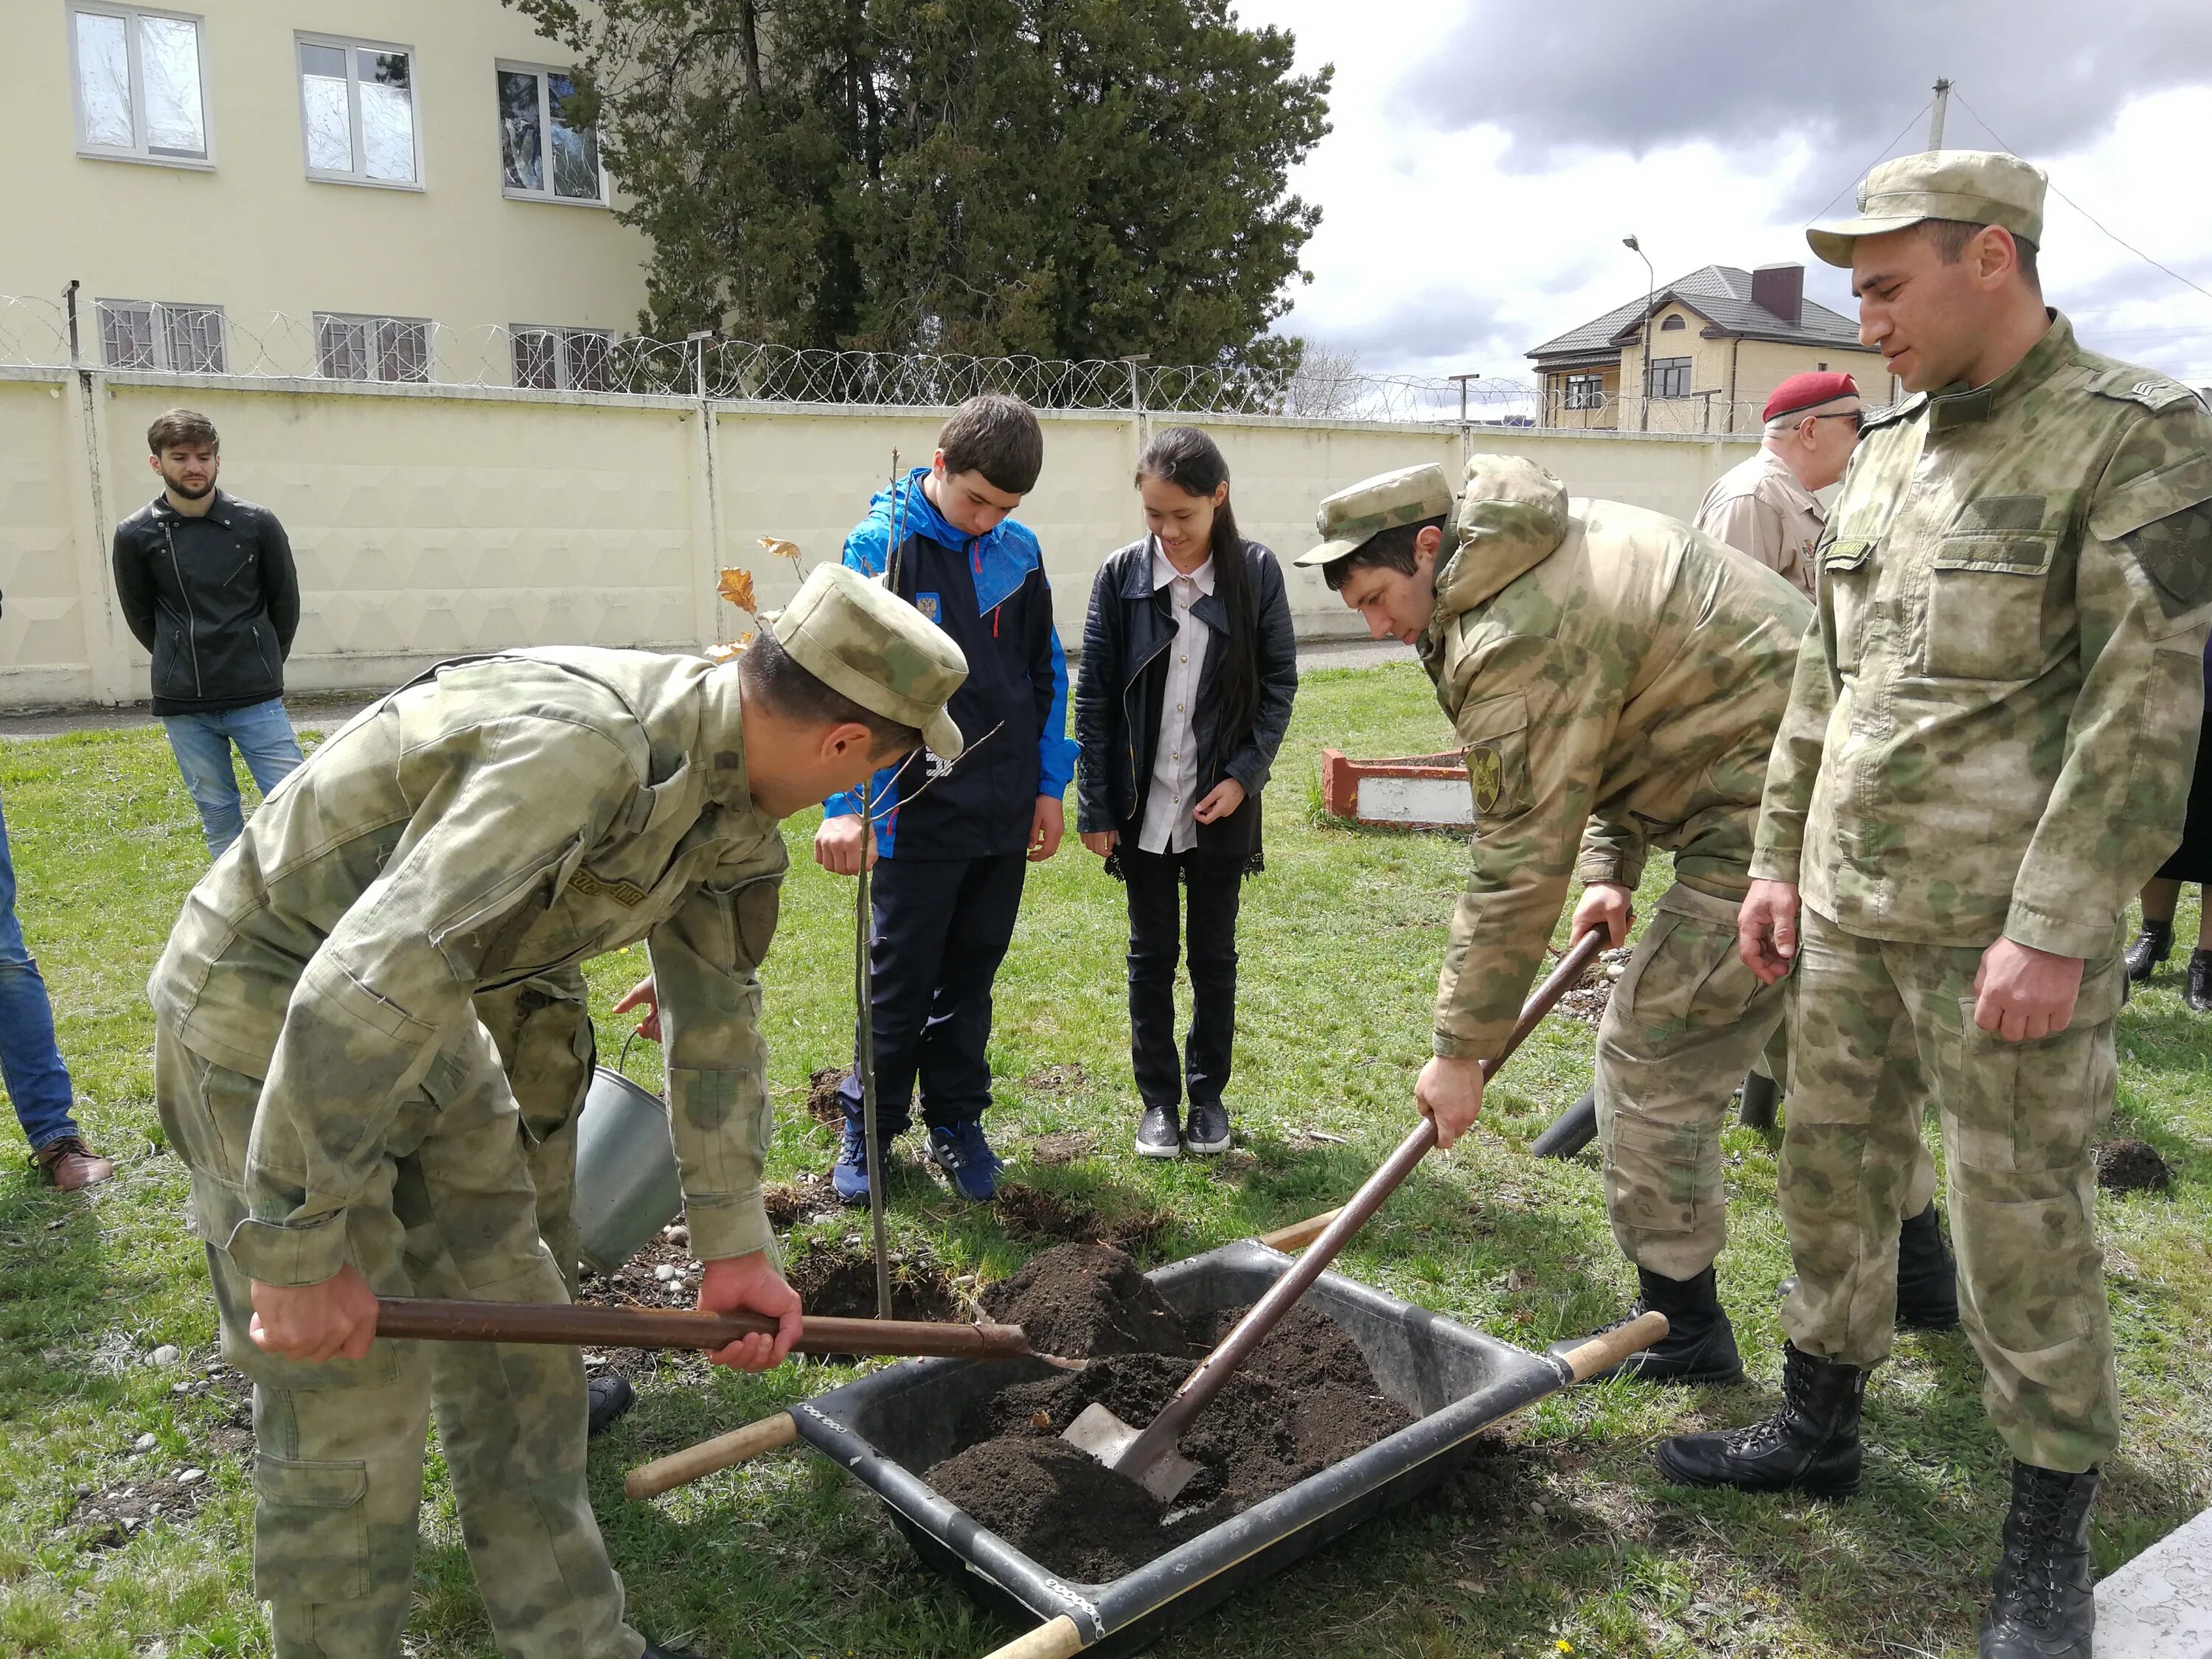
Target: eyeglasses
(1856, 417)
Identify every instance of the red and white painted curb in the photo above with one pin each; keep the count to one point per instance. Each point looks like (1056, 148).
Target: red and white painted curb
(1412, 792)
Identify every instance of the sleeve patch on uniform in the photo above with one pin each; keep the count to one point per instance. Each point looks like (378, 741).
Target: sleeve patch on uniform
(2176, 553)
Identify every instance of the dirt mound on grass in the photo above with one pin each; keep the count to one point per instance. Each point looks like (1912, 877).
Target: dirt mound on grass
(1304, 1401)
(1040, 1215)
(2128, 1165)
(823, 1104)
(840, 1278)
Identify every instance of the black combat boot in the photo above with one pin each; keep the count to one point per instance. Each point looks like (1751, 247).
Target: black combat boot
(1811, 1445)
(1927, 1277)
(2199, 996)
(2044, 1608)
(1699, 1345)
(2153, 946)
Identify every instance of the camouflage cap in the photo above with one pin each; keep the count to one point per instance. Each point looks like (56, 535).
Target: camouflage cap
(1977, 186)
(858, 637)
(1411, 495)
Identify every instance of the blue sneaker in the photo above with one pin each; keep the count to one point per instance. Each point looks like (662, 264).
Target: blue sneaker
(962, 1154)
(850, 1174)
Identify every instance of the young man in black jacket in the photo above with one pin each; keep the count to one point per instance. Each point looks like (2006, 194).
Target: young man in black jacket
(208, 585)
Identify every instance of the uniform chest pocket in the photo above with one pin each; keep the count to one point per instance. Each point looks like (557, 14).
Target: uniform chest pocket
(1844, 578)
(1495, 734)
(1985, 605)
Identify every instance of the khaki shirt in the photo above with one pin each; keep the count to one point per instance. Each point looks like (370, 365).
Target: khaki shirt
(501, 818)
(1617, 679)
(1758, 506)
(1994, 726)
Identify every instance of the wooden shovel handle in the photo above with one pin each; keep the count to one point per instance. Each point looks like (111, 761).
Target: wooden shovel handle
(723, 1451)
(1613, 1346)
(580, 1324)
(1056, 1640)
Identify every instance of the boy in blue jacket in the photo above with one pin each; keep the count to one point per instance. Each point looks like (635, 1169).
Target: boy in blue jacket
(954, 841)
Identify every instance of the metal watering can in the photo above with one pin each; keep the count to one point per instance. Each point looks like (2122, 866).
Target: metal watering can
(627, 1187)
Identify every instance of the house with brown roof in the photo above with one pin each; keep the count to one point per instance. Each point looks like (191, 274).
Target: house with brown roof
(1720, 339)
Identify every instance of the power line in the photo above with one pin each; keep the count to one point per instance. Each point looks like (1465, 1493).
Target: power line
(1877, 160)
(2084, 212)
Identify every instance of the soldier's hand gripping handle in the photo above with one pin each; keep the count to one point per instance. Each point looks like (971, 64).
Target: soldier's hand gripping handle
(334, 1320)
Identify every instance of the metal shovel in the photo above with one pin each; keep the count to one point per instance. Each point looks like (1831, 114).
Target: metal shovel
(1148, 1455)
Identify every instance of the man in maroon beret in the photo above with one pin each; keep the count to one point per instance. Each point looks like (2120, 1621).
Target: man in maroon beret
(1765, 506)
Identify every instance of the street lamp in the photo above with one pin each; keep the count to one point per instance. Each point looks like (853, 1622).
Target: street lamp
(1650, 287)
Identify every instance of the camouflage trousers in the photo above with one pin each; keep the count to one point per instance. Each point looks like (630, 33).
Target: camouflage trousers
(543, 1030)
(1684, 1024)
(338, 1447)
(1877, 1028)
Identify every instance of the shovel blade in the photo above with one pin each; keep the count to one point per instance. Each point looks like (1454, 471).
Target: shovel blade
(1107, 1438)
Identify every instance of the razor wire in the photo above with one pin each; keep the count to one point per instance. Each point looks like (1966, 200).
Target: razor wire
(205, 344)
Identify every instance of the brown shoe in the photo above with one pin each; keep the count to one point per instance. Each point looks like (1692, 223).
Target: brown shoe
(70, 1164)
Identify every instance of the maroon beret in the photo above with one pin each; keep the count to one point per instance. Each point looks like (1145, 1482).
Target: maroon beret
(1807, 392)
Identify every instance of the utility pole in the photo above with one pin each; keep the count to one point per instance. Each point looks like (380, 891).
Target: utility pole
(1650, 287)
(1463, 379)
(1936, 119)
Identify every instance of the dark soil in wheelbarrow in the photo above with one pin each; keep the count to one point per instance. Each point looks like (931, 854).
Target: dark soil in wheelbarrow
(1304, 1401)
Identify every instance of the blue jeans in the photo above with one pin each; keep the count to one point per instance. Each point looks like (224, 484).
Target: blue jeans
(263, 733)
(37, 1082)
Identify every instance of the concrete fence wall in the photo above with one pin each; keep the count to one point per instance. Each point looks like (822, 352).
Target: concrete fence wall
(430, 520)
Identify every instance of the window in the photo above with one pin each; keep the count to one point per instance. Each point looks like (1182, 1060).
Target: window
(1674, 321)
(564, 358)
(139, 96)
(1669, 377)
(372, 348)
(541, 155)
(1585, 391)
(161, 334)
(357, 111)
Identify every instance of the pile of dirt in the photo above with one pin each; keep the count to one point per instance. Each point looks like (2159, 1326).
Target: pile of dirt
(823, 1104)
(839, 1278)
(1063, 1146)
(1038, 1215)
(1306, 1400)
(2127, 1165)
(1058, 1080)
(811, 1198)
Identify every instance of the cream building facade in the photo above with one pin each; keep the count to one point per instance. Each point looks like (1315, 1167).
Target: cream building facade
(381, 192)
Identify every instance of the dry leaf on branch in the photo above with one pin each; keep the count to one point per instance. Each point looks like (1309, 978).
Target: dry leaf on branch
(781, 548)
(737, 587)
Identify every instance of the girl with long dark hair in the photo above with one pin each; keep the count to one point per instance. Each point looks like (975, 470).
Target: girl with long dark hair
(1189, 668)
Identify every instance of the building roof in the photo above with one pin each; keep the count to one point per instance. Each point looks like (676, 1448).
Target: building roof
(1719, 294)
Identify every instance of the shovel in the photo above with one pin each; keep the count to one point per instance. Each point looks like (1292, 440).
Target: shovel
(581, 1324)
(1148, 1455)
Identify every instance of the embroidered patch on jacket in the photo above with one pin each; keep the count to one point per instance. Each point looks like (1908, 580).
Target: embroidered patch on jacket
(929, 606)
(1486, 769)
(628, 893)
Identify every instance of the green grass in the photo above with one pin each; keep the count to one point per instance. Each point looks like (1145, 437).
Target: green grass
(1566, 1537)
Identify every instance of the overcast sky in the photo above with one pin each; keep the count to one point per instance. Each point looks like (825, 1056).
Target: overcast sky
(1488, 155)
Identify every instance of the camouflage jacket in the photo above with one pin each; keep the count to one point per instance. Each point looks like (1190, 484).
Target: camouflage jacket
(500, 818)
(1994, 724)
(1617, 679)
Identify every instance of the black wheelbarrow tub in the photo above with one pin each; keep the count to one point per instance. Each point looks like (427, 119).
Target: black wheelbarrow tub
(887, 1428)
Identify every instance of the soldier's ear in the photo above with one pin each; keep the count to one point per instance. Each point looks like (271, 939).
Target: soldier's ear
(1428, 544)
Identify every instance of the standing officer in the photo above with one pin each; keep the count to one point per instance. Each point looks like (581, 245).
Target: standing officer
(1617, 679)
(320, 1068)
(1765, 506)
(1988, 749)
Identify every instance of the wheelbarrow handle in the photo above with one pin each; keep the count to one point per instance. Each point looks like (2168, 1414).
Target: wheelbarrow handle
(694, 1462)
(1056, 1640)
(1160, 1435)
(579, 1324)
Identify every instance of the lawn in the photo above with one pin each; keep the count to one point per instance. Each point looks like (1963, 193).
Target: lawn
(1563, 1538)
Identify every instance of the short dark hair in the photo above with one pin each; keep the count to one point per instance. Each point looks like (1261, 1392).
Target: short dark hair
(1951, 236)
(997, 436)
(775, 676)
(1391, 550)
(180, 426)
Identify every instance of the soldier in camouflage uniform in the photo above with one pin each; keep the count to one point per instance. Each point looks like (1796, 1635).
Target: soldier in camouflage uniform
(1617, 679)
(321, 1069)
(1989, 746)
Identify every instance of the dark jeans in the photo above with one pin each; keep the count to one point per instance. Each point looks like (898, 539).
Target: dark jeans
(942, 926)
(38, 1082)
(1213, 887)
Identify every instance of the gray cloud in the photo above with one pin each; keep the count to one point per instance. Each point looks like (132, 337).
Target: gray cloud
(1628, 75)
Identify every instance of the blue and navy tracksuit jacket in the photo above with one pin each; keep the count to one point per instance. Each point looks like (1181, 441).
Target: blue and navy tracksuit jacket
(990, 593)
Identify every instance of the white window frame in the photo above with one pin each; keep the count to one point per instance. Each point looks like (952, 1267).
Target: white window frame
(561, 335)
(373, 321)
(1585, 391)
(350, 44)
(544, 72)
(139, 150)
(158, 314)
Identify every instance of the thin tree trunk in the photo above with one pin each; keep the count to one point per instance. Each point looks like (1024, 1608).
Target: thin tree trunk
(748, 44)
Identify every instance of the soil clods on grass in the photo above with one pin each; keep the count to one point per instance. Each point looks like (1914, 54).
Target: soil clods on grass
(1039, 1215)
(839, 1278)
(1305, 1400)
(2128, 1165)
(823, 1104)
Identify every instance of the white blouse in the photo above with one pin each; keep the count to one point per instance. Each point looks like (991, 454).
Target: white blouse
(1168, 826)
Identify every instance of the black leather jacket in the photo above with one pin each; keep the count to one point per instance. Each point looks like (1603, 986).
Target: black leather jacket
(214, 598)
(1124, 675)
